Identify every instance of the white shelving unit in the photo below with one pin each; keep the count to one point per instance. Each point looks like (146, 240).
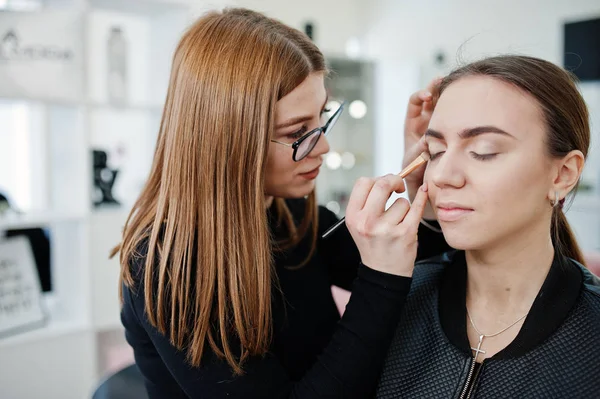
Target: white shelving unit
(37, 219)
(54, 329)
(46, 143)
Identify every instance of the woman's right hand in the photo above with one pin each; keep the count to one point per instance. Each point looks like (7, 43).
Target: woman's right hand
(386, 239)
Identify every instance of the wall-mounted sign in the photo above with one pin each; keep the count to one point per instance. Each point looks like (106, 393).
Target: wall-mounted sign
(41, 55)
(20, 291)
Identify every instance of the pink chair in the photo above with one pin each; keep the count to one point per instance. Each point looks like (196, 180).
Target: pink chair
(340, 297)
(592, 260)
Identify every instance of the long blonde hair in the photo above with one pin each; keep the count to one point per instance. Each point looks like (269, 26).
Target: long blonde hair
(201, 219)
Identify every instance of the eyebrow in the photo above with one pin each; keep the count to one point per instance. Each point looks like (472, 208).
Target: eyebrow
(299, 119)
(470, 133)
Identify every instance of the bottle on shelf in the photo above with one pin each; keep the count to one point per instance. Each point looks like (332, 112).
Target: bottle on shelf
(117, 66)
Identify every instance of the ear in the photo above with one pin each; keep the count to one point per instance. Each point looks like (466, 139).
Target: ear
(568, 170)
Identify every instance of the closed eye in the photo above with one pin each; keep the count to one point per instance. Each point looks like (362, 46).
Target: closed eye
(483, 157)
(436, 155)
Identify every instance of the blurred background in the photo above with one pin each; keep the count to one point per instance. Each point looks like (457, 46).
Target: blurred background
(82, 84)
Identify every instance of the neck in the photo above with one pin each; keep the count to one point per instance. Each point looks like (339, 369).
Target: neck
(506, 278)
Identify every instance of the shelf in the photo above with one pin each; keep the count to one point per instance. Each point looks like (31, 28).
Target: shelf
(51, 330)
(41, 100)
(156, 108)
(142, 7)
(48, 158)
(90, 104)
(36, 219)
(119, 211)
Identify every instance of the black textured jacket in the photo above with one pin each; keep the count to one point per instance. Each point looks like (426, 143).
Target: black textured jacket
(555, 355)
(313, 354)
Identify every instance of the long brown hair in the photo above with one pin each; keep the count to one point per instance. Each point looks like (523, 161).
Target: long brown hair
(201, 219)
(564, 111)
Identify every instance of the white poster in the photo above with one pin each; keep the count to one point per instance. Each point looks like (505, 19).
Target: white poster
(20, 298)
(41, 55)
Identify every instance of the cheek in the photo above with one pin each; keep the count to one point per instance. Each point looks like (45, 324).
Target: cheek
(512, 189)
(277, 156)
(431, 188)
(520, 175)
(280, 165)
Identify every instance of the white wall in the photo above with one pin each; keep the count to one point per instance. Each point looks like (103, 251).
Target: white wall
(334, 21)
(412, 33)
(417, 30)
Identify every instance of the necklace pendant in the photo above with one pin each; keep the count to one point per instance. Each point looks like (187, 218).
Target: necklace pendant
(478, 349)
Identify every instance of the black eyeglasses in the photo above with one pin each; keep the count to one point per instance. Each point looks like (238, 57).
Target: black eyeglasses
(305, 144)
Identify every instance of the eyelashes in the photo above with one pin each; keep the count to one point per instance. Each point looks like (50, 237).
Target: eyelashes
(483, 157)
(433, 157)
(297, 134)
(479, 157)
(300, 132)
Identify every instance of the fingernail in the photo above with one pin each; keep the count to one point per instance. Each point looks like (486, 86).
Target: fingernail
(424, 187)
(427, 94)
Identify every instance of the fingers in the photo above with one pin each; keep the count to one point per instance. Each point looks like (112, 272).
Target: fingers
(412, 153)
(401, 211)
(434, 88)
(400, 188)
(428, 106)
(415, 103)
(381, 191)
(414, 215)
(434, 85)
(359, 194)
(397, 211)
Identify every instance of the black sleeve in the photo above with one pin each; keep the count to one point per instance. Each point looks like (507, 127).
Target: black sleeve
(349, 366)
(431, 243)
(342, 256)
(338, 250)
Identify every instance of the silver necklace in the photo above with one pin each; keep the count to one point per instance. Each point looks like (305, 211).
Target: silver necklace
(482, 336)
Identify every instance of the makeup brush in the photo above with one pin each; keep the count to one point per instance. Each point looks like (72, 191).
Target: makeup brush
(420, 160)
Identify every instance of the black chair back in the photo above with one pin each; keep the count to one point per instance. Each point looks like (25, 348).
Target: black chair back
(127, 383)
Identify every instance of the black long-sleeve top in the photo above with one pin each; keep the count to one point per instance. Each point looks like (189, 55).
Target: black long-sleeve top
(314, 353)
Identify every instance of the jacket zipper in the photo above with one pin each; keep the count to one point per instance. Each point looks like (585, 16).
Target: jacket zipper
(466, 392)
(474, 381)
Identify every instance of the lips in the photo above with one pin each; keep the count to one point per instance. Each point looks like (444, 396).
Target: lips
(451, 212)
(311, 174)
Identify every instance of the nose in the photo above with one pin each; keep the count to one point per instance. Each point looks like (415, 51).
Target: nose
(447, 171)
(321, 148)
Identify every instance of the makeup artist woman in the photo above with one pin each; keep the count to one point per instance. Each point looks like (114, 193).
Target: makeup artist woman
(226, 281)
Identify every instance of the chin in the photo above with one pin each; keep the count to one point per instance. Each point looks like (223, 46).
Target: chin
(462, 239)
(462, 244)
(302, 190)
(300, 193)
(294, 192)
